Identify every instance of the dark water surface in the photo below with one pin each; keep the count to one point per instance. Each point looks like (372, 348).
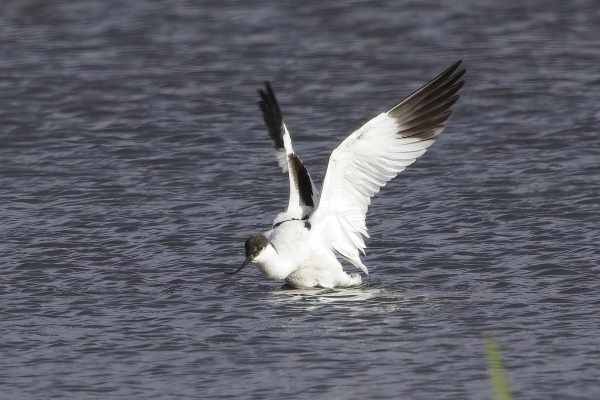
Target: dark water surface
(134, 163)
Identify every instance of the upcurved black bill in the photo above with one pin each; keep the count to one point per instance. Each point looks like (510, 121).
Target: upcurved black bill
(247, 261)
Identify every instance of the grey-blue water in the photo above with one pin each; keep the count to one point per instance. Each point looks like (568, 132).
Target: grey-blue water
(134, 163)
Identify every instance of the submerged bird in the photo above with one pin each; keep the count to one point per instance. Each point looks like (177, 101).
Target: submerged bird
(315, 231)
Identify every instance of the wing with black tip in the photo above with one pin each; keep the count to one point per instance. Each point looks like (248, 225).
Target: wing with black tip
(375, 153)
(304, 196)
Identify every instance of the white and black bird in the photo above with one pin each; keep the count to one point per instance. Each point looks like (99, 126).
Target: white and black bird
(316, 230)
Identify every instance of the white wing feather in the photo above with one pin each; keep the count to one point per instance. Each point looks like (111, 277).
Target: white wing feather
(371, 156)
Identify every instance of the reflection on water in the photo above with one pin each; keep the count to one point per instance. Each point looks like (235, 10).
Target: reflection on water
(365, 298)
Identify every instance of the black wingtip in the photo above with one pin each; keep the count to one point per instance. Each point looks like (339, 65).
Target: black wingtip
(453, 66)
(448, 76)
(423, 112)
(269, 88)
(271, 114)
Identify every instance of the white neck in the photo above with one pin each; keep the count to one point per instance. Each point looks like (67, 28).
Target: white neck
(270, 263)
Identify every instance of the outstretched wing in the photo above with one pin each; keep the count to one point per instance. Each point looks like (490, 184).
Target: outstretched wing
(304, 196)
(373, 155)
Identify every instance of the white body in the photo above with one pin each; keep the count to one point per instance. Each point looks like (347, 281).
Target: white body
(297, 255)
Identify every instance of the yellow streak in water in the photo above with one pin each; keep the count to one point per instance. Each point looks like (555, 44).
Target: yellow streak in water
(500, 387)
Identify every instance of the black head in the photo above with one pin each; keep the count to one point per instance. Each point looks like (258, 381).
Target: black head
(254, 245)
